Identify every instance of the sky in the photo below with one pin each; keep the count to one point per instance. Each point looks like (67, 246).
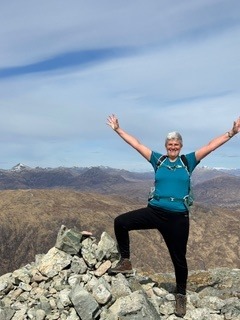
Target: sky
(159, 66)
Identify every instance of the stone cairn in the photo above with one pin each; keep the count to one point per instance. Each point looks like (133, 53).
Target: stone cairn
(70, 282)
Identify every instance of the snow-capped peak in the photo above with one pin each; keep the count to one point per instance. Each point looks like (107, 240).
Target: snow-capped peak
(19, 167)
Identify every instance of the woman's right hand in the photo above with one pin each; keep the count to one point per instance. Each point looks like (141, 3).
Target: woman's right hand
(112, 121)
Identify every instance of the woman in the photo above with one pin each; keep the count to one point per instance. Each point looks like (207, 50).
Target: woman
(167, 208)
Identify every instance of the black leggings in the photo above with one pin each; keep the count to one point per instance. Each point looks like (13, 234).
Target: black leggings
(174, 228)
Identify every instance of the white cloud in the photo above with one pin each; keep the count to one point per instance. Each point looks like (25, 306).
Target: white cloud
(34, 31)
(183, 75)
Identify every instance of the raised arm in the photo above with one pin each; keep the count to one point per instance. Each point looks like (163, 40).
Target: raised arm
(112, 121)
(218, 141)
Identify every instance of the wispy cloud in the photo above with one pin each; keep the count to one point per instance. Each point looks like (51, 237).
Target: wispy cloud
(158, 65)
(85, 58)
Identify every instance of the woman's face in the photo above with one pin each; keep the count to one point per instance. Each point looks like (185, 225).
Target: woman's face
(173, 148)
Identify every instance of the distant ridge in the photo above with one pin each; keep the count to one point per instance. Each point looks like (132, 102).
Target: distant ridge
(136, 185)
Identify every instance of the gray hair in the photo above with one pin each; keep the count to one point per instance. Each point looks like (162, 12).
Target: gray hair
(174, 136)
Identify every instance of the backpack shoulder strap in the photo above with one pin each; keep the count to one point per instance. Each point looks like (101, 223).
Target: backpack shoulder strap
(161, 160)
(185, 162)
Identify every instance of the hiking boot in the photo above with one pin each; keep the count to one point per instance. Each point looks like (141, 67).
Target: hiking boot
(123, 266)
(181, 301)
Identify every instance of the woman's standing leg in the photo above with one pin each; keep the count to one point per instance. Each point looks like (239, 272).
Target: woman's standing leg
(175, 234)
(176, 237)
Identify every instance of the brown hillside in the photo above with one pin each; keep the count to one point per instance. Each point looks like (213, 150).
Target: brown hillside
(219, 191)
(30, 220)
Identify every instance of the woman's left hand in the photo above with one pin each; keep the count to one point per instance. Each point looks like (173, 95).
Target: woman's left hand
(236, 126)
(112, 121)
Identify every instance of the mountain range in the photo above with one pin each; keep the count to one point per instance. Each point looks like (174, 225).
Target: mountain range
(210, 186)
(35, 202)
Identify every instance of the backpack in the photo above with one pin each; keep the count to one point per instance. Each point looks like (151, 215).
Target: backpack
(188, 199)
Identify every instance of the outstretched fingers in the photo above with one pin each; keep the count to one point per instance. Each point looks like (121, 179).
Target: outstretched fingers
(112, 121)
(236, 125)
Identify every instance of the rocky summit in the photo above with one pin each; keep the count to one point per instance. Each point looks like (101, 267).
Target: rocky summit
(70, 282)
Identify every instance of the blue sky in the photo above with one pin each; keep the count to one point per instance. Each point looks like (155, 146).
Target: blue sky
(158, 65)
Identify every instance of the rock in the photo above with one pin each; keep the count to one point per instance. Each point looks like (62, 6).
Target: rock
(70, 282)
(103, 268)
(53, 262)
(120, 286)
(68, 240)
(101, 294)
(88, 252)
(107, 248)
(135, 306)
(85, 305)
(5, 283)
